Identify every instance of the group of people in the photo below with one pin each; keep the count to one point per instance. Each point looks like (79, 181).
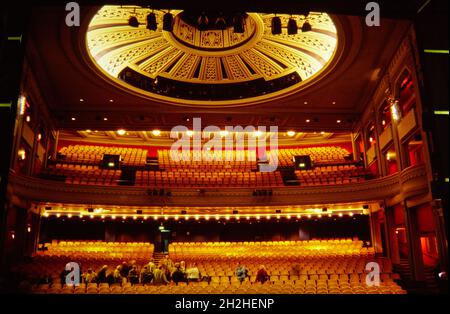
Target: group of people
(151, 273)
(165, 272)
(242, 273)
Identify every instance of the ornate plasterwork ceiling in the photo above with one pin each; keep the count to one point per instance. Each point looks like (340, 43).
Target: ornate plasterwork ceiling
(210, 67)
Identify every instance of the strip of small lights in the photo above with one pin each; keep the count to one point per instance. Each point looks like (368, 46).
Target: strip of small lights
(207, 217)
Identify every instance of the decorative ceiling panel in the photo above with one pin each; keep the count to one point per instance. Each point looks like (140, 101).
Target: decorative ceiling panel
(209, 67)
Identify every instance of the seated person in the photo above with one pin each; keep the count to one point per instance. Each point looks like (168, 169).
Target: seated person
(151, 266)
(62, 276)
(193, 273)
(183, 266)
(241, 272)
(101, 275)
(178, 275)
(167, 262)
(146, 275)
(117, 275)
(90, 276)
(159, 277)
(125, 269)
(110, 278)
(262, 276)
(133, 277)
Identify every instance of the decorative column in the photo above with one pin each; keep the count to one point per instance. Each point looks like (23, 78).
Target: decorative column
(441, 234)
(355, 149)
(392, 241)
(415, 251)
(375, 232)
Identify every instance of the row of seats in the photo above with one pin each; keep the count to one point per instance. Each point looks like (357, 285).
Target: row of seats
(318, 154)
(246, 159)
(76, 174)
(290, 287)
(234, 169)
(332, 175)
(92, 154)
(185, 178)
(315, 267)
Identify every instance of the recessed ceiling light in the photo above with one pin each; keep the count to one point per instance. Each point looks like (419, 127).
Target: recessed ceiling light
(308, 121)
(73, 118)
(338, 121)
(81, 99)
(111, 100)
(105, 119)
(156, 132)
(334, 103)
(290, 133)
(305, 102)
(121, 132)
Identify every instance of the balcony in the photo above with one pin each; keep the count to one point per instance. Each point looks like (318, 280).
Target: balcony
(407, 183)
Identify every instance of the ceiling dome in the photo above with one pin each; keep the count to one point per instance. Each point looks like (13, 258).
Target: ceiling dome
(209, 65)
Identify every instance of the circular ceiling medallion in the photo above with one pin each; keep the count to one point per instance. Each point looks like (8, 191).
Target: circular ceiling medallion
(206, 63)
(210, 38)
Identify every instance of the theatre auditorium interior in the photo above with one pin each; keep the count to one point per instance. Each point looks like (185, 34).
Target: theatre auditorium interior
(263, 149)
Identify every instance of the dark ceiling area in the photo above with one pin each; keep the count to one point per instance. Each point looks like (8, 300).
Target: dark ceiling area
(56, 55)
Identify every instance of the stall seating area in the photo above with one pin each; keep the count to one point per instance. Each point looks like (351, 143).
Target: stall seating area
(84, 174)
(327, 266)
(89, 254)
(92, 154)
(326, 175)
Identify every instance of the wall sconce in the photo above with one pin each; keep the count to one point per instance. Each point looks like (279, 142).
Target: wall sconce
(21, 104)
(395, 112)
